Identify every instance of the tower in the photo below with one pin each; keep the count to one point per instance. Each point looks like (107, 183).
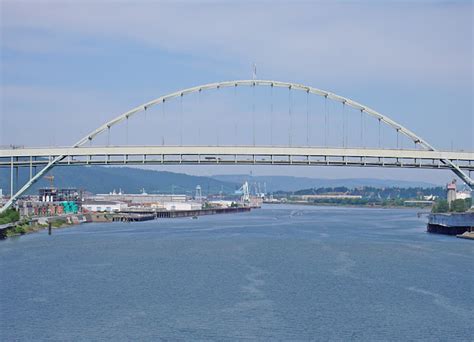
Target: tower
(451, 196)
(198, 195)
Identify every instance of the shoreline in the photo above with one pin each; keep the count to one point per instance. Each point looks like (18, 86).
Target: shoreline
(350, 205)
(35, 225)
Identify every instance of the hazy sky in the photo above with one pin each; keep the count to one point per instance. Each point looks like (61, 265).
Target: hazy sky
(67, 66)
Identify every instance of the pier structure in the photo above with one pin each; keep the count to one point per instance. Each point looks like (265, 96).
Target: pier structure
(147, 215)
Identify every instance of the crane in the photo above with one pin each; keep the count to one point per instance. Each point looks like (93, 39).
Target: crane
(244, 190)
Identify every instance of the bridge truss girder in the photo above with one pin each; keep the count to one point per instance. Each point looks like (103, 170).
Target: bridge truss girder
(231, 155)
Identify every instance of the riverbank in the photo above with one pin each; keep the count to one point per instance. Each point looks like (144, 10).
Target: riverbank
(37, 224)
(346, 205)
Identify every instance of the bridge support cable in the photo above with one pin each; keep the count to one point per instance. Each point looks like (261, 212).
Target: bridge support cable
(379, 127)
(344, 128)
(217, 128)
(361, 128)
(253, 114)
(200, 108)
(181, 123)
(236, 119)
(271, 114)
(307, 118)
(162, 126)
(126, 128)
(290, 127)
(161, 100)
(326, 120)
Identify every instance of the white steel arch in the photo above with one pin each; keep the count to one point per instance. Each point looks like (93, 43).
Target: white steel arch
(226, 84)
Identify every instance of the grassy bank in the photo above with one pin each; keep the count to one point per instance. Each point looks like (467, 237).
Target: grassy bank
(26, 227)
(9, 216)
(360, 205)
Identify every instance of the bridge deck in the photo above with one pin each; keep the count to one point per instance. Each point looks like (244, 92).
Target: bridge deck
(232, 150)
(273, 155)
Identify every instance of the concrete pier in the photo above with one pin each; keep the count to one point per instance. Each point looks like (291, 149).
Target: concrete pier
(146, 215)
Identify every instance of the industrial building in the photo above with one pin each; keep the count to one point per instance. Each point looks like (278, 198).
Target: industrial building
(173, 206)
(56, 195)
(142, 198)
(103, 206)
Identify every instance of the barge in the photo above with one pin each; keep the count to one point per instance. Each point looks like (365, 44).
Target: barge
(451, 224)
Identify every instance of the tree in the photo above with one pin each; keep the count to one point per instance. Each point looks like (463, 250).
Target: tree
(10, 215)
(440, 206)
(458, 206)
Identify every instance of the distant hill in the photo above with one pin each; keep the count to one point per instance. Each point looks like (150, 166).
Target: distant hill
(99, 179)
(290, 183)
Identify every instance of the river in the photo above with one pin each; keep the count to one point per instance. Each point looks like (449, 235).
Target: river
(278, 273)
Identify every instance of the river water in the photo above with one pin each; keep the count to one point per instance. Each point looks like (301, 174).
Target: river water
(278, 273)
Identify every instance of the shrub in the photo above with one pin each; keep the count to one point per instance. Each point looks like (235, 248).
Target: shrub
(10, 215)
(440, 206)
(458, 206)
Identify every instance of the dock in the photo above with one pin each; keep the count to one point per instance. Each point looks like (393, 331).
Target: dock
(143, 214)
(451, 224)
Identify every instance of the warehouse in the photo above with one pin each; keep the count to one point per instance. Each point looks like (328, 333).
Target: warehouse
(175, 206)
(104, 206)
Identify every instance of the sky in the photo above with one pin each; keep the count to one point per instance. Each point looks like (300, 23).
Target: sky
(69, 66)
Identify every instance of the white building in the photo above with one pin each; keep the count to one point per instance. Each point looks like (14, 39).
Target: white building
(104, 206)
(463, 194)
(329, 196)
(143, 198)
(174, 206)
(221, 203)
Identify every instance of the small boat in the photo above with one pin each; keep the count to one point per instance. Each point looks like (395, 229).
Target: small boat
(194, 217)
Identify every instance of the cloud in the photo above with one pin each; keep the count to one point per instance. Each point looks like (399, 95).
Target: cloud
(425, 43)
(38, 116)
(406, 49)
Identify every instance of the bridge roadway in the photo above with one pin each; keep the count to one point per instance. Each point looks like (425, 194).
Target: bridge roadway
(258, 155)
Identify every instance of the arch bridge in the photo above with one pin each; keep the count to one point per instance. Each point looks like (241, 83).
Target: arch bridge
(40, 160)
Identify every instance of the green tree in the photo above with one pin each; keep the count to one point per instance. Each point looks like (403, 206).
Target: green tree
(440, 206)
(8, 216)
(458, 206)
